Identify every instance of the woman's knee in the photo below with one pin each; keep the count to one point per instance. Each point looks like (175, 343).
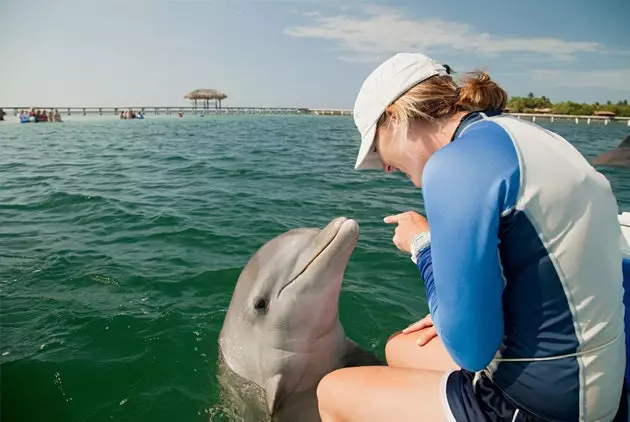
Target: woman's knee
(324, 386)
(393, 349)
(327, 390)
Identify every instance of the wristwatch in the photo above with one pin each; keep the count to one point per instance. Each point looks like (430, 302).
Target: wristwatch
(419, 243)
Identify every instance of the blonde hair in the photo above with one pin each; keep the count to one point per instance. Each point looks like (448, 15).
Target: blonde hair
(439, 97)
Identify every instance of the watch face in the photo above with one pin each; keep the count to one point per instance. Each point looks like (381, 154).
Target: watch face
(422, 239)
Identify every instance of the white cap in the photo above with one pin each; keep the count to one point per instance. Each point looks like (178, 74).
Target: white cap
(380, 89)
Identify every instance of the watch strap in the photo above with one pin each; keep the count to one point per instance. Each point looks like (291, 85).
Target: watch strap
(419, 243)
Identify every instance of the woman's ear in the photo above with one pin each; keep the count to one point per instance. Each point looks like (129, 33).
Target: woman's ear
(390, 113)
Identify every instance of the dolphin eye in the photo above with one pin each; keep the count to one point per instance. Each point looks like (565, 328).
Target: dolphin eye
(260, 304)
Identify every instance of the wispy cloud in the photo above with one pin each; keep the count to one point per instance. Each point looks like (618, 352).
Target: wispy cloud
(381, 31)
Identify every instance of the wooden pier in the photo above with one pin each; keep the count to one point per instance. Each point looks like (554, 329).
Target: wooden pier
(528, 116)
(157, 110)
(570, 118)
(330, 111)
(188, 110)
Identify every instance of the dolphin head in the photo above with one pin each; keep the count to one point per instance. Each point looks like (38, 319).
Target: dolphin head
(281, 330)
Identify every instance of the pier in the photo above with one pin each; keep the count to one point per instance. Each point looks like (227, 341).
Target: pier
(188, 110)
(528, 116)
(571, 118)
(157, 110)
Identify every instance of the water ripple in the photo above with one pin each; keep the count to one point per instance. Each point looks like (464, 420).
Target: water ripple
(121, 241)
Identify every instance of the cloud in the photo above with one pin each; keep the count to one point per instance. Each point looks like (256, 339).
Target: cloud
(383, 31)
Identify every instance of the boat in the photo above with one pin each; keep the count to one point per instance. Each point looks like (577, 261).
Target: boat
(624, 222)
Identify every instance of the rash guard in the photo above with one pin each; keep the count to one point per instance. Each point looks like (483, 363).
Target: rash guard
(523, 274)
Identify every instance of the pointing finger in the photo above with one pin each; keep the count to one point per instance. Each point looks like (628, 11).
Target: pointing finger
(392, 218)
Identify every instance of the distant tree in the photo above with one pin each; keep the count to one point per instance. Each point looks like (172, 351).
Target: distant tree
(530, 103)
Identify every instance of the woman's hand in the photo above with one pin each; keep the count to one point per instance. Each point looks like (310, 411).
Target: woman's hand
(426, 326)
(410, 224)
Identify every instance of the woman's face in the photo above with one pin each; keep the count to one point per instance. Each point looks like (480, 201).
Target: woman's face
(405, 150)
(409, 149)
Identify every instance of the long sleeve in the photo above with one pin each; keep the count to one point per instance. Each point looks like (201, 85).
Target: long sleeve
(466, 188)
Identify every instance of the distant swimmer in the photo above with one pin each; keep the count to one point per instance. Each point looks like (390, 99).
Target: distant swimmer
(619, 156)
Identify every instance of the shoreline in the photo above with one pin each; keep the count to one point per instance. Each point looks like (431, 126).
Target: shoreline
(11, 118)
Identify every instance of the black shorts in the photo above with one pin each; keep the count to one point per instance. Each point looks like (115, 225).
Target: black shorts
(487, 403)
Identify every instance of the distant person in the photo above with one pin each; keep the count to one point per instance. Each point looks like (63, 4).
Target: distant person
(50, 116)
(2, 114)
(520, 260)
(57, 116)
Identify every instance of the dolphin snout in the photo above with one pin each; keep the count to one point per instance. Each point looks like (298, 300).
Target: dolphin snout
(342, 226)
(340, 221)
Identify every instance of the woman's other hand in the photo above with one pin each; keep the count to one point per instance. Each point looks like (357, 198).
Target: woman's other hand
(426, 328)
(410, 224)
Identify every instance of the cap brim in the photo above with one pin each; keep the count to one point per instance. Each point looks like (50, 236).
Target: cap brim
(368, 159)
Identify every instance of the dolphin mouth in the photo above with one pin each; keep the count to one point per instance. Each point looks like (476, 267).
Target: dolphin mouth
(342, 224)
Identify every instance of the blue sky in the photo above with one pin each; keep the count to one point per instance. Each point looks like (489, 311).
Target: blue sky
(305, 53)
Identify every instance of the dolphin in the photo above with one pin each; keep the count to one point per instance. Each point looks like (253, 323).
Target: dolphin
(281, 333)
(619, 156)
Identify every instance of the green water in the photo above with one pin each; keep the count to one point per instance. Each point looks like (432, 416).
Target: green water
(121, 241)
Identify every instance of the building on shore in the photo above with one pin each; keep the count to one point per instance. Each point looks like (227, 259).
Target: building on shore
(605, 113)
(206, 95)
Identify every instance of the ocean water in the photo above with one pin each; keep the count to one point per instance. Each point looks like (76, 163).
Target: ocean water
(121, 241)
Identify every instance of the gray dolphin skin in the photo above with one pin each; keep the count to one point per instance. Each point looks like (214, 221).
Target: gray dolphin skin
(619, 156)
(281, 332)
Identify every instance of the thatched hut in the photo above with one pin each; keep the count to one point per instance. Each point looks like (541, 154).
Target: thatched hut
(605, 113)
(206, 95)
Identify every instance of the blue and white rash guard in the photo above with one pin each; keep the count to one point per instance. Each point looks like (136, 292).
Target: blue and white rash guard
(523, 276)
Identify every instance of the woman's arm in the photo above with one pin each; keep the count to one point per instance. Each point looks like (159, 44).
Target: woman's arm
(466, 188)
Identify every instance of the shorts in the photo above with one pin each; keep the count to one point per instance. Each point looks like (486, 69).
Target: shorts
(488, 403)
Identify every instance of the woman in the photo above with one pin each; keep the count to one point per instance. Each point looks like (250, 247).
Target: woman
(521, 263)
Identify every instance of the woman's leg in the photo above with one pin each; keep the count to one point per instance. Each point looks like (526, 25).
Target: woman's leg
(381, 394)
(402, 351)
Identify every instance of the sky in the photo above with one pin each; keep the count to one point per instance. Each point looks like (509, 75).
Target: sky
(300, 53)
